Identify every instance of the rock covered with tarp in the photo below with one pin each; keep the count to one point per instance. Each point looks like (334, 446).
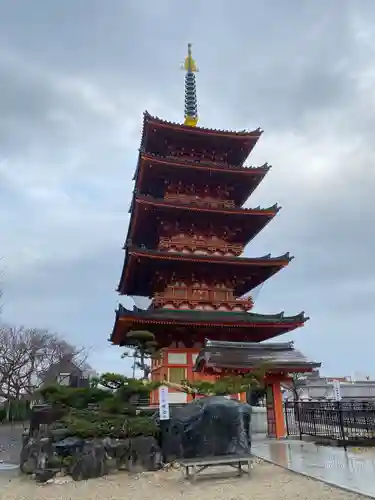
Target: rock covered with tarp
(211, 426)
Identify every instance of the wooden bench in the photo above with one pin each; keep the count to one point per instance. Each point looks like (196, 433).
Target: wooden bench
(191, 467)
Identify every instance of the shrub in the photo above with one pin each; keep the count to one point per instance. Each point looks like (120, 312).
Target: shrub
(94, 412)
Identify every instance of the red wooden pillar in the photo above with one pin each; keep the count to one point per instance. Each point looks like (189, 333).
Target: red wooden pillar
(275, 413)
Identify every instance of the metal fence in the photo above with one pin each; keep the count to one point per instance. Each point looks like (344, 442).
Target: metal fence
(348, 423)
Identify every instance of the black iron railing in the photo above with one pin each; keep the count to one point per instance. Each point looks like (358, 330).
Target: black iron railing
(345, 422)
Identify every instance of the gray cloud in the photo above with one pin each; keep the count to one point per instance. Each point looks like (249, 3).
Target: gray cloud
(73, 85)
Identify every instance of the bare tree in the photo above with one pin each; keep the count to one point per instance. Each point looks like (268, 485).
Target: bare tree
(26, 357)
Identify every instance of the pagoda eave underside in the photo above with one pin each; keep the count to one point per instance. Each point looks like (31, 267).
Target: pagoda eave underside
(156, 133)
(193, 332)
(148, 212)
(151, 170)
(143, 267)
(277, 369)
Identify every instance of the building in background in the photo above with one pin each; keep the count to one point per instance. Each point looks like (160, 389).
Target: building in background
(322, 389)
(70, 373)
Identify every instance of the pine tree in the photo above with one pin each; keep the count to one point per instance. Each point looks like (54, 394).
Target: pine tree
(145, 349)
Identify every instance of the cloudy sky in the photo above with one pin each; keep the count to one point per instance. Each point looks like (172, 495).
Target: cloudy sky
(75, 78)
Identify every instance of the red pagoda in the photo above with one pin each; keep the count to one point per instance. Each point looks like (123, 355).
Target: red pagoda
(187, 231)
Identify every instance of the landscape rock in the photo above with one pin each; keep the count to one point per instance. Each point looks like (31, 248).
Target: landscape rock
(91, 462)
(145, 454)
(34, 455)
(118, 452)
(69, 446)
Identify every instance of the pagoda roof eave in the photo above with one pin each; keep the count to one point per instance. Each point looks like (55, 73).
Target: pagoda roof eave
(260, 216)
(261, 170)
(127, 320)
(161, 202)
(159, 314)
(248, 176)
(266, 261)
(156, 121)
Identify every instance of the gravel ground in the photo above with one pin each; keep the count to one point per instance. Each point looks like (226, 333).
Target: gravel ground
(268, 482)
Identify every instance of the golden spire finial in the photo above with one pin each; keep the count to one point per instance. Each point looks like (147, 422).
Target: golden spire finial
(191, 107)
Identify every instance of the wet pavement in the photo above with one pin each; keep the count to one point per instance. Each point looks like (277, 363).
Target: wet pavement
(345, 469)
(10, 443)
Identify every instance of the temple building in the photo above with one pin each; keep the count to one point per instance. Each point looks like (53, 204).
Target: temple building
(187, 233)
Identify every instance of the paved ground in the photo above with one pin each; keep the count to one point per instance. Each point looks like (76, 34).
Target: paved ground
(10, 443)
(350, 470)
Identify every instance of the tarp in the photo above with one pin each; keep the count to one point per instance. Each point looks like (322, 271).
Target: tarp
(207, 427)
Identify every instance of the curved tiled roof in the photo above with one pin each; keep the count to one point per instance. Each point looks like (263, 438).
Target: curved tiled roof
(249, 355)
(264, 259)
(219, 324)
(141, 263)
(196, 163)
(211, 316)
(239, 134)
(150, 200)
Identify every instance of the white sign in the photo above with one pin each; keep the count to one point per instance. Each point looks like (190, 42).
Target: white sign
(164, 403)
(336, 390)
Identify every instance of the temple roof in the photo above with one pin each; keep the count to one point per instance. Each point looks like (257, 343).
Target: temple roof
(144, 227)
(170, 325)
(145, 271)
(152, 169)
(218, 355)
(210, 316)
(236, 145)
(148, 119)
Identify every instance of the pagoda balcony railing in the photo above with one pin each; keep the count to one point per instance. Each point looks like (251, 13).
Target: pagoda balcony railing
(196, 157)
(196, 200)
(204, 247)
(202, 300)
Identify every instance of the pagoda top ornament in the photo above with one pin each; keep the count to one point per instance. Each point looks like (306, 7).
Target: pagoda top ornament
(191, 105)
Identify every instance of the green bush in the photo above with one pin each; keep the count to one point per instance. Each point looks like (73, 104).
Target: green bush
(72, 397)
(97, 424)
(94, 412)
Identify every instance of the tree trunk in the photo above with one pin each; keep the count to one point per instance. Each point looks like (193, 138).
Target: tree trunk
(294, 390)
(144, 366)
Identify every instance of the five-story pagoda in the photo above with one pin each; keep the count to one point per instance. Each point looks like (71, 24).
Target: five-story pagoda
(187, 231)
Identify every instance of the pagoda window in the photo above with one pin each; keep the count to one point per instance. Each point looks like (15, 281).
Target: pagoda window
(199, 293)
(221, 295)
(177, 374)
(177, 358)
(180, 293)
(180, 284)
